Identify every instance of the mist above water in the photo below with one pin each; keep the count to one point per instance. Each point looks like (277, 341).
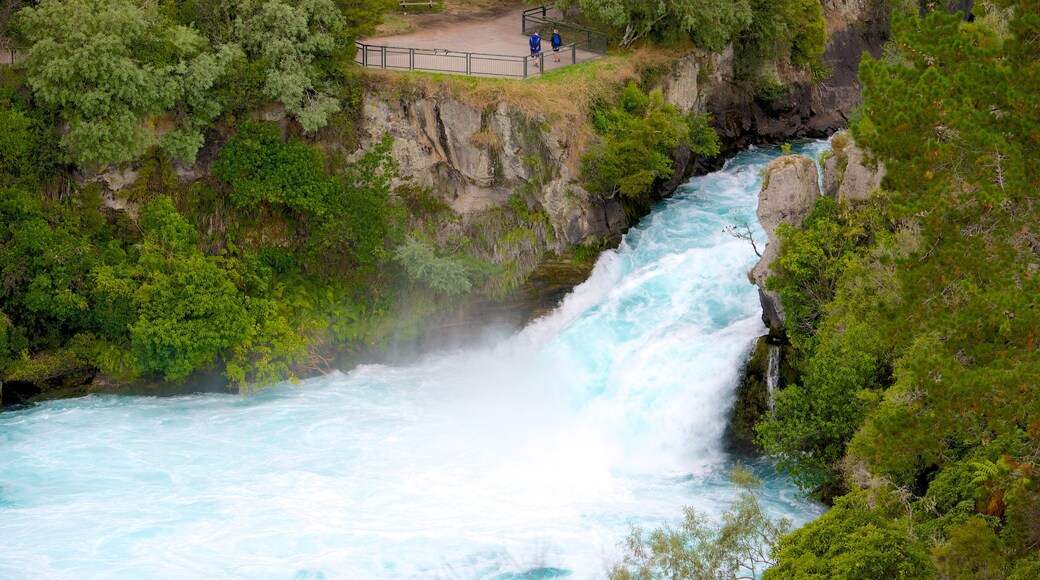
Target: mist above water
(522, 459)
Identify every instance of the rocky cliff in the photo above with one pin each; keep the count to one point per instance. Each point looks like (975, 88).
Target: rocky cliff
(477, 157)
(848, 176)
(788, 194)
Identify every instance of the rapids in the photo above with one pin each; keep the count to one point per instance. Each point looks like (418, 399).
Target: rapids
(528, 457)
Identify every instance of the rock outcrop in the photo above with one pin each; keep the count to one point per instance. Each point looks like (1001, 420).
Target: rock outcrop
(788, 195)
(708, 83)
(847, 175)
(477, 159)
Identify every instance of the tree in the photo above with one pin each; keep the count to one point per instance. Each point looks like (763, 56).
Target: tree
(290, 38)
(109, 66)
(639, 136)
(853, 541)
(741, 546)
(711, 23)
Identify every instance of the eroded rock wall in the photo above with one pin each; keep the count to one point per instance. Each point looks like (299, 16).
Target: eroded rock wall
(709, 83)
(477, 159)
(788, 194)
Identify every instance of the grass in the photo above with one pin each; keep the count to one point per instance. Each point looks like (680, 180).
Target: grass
(394, 25)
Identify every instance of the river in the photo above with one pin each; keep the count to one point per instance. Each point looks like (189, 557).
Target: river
(528, 457)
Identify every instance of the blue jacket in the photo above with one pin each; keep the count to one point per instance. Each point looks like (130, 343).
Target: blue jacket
(557, 42)
(536, 41)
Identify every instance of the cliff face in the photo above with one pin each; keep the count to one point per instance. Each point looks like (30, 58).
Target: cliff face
(706, 82)
(788, 195)
(477, 158)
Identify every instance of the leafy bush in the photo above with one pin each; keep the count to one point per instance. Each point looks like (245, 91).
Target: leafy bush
(107, 65)
(919, 339)
(639, 137)
(851, 541)
(262, 170)
(743, 545)
(448, 275)
(711, 23)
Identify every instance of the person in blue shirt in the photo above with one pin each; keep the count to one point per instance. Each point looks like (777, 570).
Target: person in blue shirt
(557, 42)
(536, 45)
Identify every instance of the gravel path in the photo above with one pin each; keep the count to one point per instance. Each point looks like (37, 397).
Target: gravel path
(494, 34)
(489, 32)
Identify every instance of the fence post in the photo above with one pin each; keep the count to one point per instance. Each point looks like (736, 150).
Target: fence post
(382, 57)
(541, 62)
(574, 53)
(543, 10)
(525, 67)
(411, 59)
(469, 67)
(523, 23)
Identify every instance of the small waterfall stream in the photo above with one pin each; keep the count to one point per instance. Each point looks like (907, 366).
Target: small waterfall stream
(772, 375)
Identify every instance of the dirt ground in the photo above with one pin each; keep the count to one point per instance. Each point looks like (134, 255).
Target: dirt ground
(487, 27)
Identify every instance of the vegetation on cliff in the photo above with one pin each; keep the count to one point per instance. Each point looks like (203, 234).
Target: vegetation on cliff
(766, 33)
(639, 136)
(916, 316)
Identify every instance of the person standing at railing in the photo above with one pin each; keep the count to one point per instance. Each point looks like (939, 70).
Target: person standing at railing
(557, 42)
(536, 46)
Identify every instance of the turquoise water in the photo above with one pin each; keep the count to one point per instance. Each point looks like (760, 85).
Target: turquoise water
(528, 458)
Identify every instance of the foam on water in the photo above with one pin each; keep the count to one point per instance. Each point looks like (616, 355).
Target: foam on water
(525, 459)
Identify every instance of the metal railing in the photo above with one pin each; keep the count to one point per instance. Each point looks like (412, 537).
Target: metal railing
(582, 44)
(538, 20)
(456, 62)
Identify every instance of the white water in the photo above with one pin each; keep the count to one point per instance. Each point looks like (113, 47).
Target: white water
(772, 375)
(525, 459)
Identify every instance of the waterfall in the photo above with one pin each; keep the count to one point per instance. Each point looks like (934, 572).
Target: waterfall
(527, 457)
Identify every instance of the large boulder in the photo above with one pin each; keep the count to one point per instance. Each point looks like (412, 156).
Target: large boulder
(788, 194)
(847, 175)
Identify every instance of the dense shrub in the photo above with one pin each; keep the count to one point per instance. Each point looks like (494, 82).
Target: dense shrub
(639, 136)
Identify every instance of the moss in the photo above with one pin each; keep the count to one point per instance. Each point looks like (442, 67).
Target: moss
(752, 404)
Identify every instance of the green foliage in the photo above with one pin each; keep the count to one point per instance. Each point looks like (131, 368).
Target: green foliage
(12, 342)
(972, 551)
(741, 544)
(639, 137)
(109, 65)
(289, 37)
(262, 170)
(348, 219)
(851, 541)
(588, 251)
(188, 314)
(445, 274)
(811, 261)
(781, 31)
(711, 23)
(917, 318)
(45, 258)
(28, 149)
(127, 75)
